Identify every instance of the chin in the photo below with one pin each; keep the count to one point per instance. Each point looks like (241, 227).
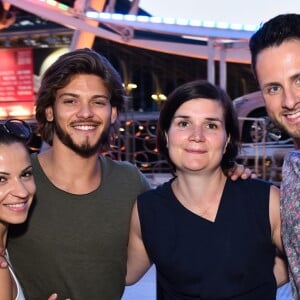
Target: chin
(18, 219)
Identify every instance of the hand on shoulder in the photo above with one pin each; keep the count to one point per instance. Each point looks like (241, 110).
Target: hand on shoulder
(240, 171)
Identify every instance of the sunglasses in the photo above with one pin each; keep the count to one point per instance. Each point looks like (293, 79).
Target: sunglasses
(18, 128)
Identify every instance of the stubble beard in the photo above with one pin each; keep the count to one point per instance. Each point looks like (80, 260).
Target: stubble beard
(85, 149)
(293, 131)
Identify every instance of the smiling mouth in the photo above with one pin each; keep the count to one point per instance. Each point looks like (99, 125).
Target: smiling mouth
(16, 206)
(292, 116)
(84, 127)
(195, 151)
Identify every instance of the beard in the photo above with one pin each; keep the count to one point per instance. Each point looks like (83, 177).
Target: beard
(85, 149)
(293, 131)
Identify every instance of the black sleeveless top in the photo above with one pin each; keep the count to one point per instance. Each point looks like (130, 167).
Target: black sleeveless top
(231, 258)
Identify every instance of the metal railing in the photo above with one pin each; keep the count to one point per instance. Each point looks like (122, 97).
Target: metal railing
(136, 143)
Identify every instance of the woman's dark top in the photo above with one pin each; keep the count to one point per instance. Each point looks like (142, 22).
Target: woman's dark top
(230, 258)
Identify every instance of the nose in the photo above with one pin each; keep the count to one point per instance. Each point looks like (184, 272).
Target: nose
(85, 111)
(197, 134)
(19, 189)
(291, 98)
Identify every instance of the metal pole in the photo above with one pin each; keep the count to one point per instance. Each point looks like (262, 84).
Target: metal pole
(211, 61)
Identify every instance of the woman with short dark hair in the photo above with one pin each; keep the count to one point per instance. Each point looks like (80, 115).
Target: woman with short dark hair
(208, 236)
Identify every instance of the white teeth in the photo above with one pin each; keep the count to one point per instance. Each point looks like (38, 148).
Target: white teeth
(17, 205)
(85, 127)
(293, 116)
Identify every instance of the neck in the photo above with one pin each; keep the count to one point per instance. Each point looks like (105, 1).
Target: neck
(200, 185)
(69, 171)
(61, 155)
(200, 194)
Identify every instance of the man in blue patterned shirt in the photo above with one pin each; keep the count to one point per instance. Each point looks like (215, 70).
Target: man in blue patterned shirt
(275, 50)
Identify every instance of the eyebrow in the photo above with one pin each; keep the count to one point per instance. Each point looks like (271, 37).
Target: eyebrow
(24, 170)
(77, 96)
(27, 168)
(207, 118)
(4, 173)
(214, 119)
(269, 84)
(275, 83)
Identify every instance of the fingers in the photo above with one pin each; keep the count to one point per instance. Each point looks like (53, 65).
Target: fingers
(239, 171)
(54, 296)
(246, 174)
(3, 262)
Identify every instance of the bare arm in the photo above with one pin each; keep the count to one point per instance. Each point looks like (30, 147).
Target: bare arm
(280, 267)
(6, 285)
(138, 261)
(280, 271)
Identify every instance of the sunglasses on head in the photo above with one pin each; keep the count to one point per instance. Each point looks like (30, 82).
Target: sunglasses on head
(18, 128)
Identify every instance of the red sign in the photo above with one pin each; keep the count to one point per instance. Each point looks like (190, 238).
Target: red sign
(16, 75)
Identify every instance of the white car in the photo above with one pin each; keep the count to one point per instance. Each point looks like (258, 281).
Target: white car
(255, 125)
(264, 145)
